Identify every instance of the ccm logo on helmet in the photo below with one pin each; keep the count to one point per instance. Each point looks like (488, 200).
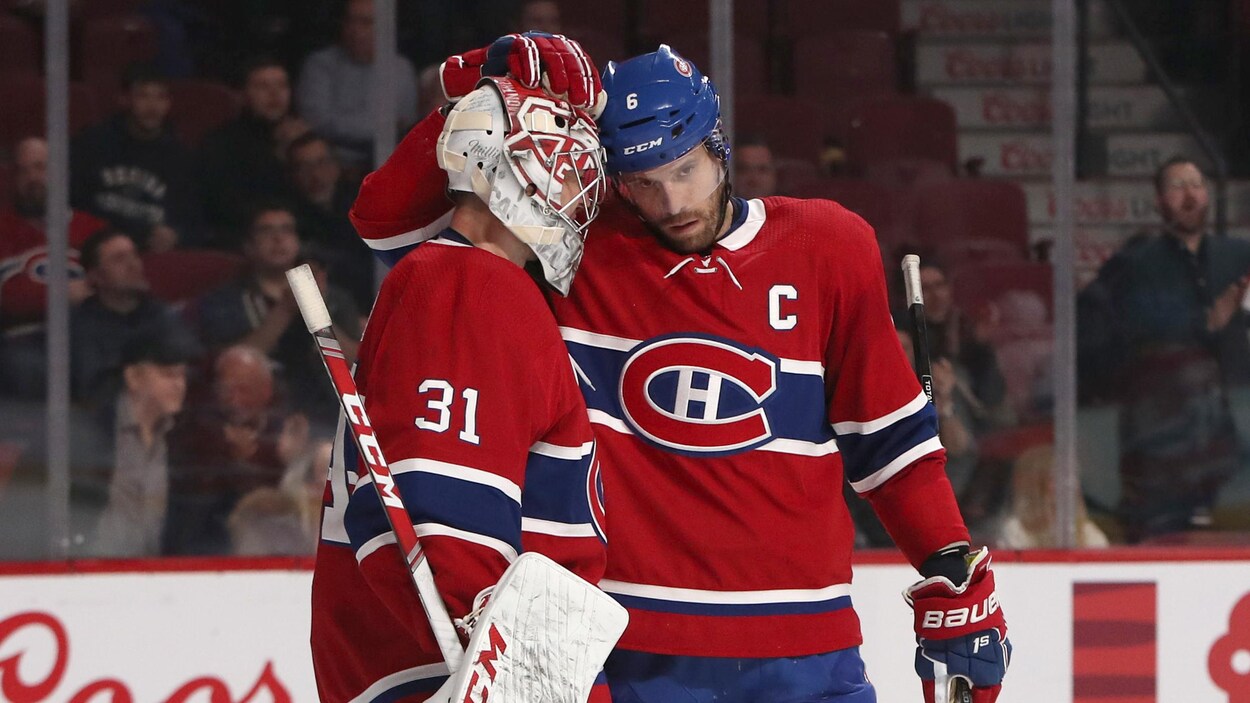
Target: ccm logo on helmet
(698, 395)
(938, 619)
(644, 146)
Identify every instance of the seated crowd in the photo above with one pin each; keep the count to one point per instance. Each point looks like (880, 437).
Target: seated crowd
(203, 420)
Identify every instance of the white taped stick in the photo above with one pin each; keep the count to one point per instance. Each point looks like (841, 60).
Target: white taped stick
(308, 296)
(911, 280)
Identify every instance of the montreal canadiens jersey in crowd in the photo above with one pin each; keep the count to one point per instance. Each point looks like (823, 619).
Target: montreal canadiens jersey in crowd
(474, 400)
(24, 267)
(731, 394)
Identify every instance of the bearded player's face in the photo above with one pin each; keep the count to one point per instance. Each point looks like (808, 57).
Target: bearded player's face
(682, 201)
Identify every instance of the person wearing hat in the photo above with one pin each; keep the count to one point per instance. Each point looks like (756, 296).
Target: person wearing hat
(131, 452)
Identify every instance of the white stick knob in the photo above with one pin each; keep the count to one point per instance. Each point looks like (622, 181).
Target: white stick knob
(308, 297)
(911, 280)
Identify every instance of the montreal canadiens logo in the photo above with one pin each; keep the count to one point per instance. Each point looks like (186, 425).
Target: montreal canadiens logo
(698, 395)
(682, 66)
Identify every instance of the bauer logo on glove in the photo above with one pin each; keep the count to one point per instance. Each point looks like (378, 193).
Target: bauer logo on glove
(962, 650)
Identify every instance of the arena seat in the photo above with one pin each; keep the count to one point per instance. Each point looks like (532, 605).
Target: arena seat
(602, 46)
(24, 113)
(794, 174)
(19, 45)
(200, 106)
(988, 288)
(662, 18)
(108, 8)
(844, 64)
(606, 16)
(894, 127)
(109, 45)
(751, 67)
(803, 17)
(869, 200)
(967, 208)
(793, 127)
(183, 274)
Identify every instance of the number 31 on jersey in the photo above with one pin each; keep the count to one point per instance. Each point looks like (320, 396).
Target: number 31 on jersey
(440, 396)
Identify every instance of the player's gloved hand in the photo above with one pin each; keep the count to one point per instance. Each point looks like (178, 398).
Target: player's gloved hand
(961, 635)
(555, 62)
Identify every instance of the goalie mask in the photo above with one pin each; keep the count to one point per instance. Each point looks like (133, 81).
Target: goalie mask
(536, 163)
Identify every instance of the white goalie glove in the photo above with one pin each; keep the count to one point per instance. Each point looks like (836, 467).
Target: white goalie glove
(539, 635)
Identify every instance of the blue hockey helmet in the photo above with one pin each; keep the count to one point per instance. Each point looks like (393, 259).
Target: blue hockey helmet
(659, 108)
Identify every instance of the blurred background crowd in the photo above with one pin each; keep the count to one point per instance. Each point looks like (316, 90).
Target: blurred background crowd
(217, 143)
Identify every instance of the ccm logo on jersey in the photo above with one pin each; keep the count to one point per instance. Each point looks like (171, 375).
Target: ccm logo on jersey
(644, 146)
(938, 619)
(698, 395)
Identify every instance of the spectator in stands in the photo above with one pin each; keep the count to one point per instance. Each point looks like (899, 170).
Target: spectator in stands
(132, 171)
(269, 522)
(126, 476)
(258, 310)
(243, 160)
(539, 16)
(335, 86)
(1162, 333)
(119, 309)
(322, 202)
(305, 481)
(236, 441)
(23, 276)
(957, 338)
(1031, 523)
(755, 173)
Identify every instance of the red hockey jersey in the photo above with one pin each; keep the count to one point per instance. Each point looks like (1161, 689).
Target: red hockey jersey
(24, 266)
(473, 398)
(731, 395)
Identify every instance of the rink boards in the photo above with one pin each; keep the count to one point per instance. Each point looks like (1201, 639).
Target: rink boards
(1155, 625)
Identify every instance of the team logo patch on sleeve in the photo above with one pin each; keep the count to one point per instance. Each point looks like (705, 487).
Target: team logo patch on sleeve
(698, 395)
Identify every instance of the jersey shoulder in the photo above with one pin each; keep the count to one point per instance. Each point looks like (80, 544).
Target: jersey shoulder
(473, 287)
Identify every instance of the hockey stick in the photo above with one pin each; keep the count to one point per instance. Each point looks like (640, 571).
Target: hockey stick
(958, 689)
(317, 318)
(915, 306)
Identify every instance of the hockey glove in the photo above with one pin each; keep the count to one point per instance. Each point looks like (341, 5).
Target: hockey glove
(555, 62)
(961, 635)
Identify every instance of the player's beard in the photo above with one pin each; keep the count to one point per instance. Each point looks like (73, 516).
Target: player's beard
(695, 230)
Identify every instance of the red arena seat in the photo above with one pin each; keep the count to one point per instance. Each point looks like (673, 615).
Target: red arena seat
(803, 17)
(869, 200)
(606, 16)
(901, 127)
(845, 64)
(750, 60)
(180, 275)
(662, 18)
(793, 127)
(977, 287)
(109, 45)
(201, 106)
(24, 113)
(19, 45)
(973, 209)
